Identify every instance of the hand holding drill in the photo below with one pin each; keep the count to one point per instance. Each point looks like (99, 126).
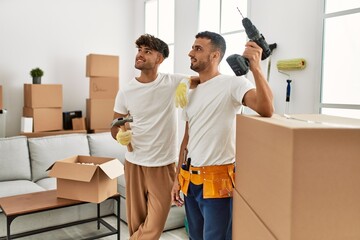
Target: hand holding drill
(241, 64)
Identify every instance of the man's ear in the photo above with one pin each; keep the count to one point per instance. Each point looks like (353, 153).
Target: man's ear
(215, 55)
(160, 58)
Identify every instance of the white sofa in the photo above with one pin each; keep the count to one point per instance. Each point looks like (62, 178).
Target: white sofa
(23, 164)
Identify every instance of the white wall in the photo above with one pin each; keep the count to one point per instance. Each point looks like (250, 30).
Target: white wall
(296, 26)
(57, 36)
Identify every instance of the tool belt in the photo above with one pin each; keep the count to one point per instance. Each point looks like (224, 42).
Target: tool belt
(218, 181)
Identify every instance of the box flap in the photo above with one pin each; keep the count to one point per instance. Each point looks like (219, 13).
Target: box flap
(72, 171)
(113, 168)
(68, 160)
(307, 121)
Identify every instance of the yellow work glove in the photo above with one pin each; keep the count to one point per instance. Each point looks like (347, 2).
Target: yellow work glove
(124, 138)
(181, 98)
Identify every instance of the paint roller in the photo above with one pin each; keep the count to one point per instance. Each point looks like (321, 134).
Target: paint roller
(290, 65)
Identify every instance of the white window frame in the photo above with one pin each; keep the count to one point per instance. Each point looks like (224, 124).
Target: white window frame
(167, 66)
(224, 65)
(339, 109)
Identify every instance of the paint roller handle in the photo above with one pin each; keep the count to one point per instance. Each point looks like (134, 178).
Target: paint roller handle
(288, 90)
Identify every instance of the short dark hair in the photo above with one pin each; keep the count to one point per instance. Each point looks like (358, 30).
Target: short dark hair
(153, 43)
(216, 39)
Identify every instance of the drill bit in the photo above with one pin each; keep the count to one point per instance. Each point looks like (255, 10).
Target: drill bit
(240, 12)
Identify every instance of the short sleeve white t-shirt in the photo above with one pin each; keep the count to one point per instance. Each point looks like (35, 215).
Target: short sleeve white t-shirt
(154, 126)
(211, 113)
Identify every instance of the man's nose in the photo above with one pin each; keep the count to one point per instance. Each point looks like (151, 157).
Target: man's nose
(190, 54)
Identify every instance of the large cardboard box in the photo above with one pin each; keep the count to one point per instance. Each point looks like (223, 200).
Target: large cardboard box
(98, 65)
(301, 175)
(44, 119)
(99, 113)
(103, 87)
(43, 95)
(1, 98)
(246, 224)
(85, 178)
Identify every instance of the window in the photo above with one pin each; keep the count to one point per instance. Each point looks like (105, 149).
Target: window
(340, 84)
(159, 21)
(223, 17)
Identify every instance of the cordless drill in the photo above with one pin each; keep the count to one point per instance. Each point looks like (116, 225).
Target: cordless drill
(239, 64)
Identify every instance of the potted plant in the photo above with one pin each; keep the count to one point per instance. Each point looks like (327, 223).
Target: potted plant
(36, 74)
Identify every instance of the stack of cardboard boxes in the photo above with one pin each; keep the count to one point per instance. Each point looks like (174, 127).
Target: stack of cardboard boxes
(297, 178)
(103, 71)
(43, 107)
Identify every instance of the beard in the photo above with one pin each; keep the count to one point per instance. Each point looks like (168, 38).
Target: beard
(143, 66)
(199, 66)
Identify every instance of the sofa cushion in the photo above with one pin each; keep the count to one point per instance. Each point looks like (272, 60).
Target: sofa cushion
(11, 188)
(44, 151)
(14, 159)
(103, 145)
(47, 183)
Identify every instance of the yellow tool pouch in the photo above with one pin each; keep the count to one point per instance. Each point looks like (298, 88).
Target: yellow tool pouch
(219, 183)
(184, 180)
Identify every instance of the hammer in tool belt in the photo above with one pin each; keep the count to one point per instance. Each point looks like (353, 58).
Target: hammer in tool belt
(120, 122)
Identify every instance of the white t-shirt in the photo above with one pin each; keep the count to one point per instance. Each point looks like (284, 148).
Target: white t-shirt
(211, 113)
(154, 126)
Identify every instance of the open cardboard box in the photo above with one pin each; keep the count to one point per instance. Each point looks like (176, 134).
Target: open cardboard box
(86, 178)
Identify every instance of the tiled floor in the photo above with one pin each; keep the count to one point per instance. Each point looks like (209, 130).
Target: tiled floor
(88, 229)
(177, 234)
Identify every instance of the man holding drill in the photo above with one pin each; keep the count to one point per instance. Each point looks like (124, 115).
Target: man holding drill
(206, 173)
(148, 100)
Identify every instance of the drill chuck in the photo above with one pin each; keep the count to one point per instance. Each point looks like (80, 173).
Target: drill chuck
(238, 63)
(254, 35)
(250, 29)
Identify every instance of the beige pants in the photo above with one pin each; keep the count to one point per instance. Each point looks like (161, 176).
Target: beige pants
(148, 199)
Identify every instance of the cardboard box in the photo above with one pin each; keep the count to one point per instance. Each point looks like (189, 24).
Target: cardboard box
(99, 113)
(44, 119)
(67, 119)
(78, 180)
(301, 175)
(98, 65)
(103, 87)
(43, 95)
(246, 225)
(78, 124)
(1, 98)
